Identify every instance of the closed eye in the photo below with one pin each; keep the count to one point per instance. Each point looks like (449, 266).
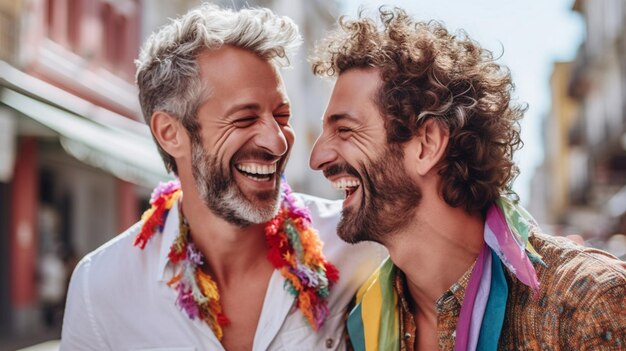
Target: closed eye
(282, 118)
(245, 121)
(343, 130)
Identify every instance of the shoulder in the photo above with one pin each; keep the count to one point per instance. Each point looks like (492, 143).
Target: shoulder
(117, 262)
(584, 289)
(586, 279)
(95, 282)
(115, 252)
(320, 207)
(570, 261)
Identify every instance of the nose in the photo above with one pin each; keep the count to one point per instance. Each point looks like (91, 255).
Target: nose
(322, 154)
(273, 138)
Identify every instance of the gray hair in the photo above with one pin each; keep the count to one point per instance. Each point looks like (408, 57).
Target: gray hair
(167, 70)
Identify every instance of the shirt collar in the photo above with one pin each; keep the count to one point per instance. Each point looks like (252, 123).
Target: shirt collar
(169, 234)
(457, 289)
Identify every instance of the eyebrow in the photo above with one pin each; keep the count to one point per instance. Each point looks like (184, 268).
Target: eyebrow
(244, 106)
(251, 106)
(334, 118)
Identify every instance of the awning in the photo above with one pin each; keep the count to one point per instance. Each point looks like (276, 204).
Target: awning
(127, 155)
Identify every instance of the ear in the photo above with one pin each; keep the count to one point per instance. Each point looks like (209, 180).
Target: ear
(429, 146)
(169, 133)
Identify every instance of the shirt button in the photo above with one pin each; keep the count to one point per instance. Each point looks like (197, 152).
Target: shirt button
(407, 336)
(329, 343)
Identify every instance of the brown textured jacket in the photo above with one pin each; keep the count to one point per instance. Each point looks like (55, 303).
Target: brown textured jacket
(581, 304)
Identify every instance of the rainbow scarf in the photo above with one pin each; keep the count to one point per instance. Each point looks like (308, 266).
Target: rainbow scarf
(373, 324)
(294, 249)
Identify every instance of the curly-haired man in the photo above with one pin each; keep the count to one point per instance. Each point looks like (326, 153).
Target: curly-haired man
(420, 132)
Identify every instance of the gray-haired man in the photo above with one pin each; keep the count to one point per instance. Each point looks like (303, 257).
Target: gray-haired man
(234, 263)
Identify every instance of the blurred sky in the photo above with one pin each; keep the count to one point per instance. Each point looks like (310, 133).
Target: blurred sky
(530, 34)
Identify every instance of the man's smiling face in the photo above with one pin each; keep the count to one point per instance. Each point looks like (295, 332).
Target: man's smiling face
(245, 136)
(355, 156)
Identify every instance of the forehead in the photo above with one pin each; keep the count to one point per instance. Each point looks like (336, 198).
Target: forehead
(231, 73)
(354, 95)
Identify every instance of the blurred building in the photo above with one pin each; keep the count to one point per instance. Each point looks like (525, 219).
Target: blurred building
(555, 182)
(76, 160)
(582, 182)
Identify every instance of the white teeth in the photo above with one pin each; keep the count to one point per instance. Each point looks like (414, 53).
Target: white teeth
(255, 168)
(255, 178)
(344, 183)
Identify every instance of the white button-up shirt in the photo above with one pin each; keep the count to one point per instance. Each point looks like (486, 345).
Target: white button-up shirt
(118, 298)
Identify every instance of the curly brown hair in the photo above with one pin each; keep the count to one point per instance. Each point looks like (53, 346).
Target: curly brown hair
(428, 72)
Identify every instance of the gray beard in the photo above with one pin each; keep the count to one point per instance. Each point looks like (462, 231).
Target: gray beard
(223, 197)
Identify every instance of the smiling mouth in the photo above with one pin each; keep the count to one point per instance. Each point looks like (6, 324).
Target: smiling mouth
(349, 185)
(256, 171)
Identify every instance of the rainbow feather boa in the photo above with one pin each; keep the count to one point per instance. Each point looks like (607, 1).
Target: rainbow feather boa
(294, 249)
(373, 324)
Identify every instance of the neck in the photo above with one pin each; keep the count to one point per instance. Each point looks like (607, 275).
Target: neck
(434, 251)
(231, 252)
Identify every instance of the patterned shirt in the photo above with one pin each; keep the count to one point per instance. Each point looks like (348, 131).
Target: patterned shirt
(581, 304)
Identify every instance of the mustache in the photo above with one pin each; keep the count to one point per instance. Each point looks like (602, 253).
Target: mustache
(339, 168)
(256, 154)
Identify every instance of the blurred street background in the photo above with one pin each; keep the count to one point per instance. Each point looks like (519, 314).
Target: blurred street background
(77, 163)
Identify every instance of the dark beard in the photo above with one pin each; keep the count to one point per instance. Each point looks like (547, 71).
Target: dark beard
(388, 200)
(224, 198)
